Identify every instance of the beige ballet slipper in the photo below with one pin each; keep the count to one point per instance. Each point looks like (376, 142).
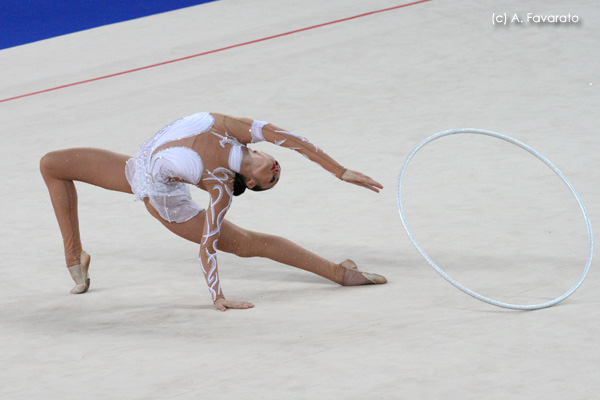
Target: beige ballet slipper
(348, 264)
(353, 277)
(80, 275)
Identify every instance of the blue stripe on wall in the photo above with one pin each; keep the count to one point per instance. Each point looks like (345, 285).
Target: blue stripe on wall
(26, 21)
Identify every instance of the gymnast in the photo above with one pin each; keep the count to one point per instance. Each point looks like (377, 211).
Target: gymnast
(209, 151)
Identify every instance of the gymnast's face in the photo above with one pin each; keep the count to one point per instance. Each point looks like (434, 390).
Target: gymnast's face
(266, 172)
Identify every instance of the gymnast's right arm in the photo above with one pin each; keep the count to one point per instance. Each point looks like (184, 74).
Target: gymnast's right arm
(218, 186)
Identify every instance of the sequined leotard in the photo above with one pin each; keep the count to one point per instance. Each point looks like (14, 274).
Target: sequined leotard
(192, 150)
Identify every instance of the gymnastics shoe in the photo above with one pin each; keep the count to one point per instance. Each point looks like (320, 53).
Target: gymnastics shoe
(80, 275)
(354, 277)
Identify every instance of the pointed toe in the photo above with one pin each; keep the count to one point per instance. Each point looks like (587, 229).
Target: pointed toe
(375, 278)
(79, 289)
(80, 275)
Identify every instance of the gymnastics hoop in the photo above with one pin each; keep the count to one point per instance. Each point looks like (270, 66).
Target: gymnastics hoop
(445, 275)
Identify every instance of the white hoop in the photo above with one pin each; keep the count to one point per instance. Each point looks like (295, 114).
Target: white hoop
(446, 276)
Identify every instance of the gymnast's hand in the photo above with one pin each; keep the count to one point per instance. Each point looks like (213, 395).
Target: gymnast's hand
(361, 180)
(222, 305)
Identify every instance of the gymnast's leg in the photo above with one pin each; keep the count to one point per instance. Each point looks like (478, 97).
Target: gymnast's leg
(244, 243)
(59, 169)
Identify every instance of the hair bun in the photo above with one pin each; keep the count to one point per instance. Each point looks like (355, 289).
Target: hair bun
(239, 186)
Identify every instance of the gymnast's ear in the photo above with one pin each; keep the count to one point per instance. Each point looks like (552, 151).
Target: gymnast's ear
(250, 183)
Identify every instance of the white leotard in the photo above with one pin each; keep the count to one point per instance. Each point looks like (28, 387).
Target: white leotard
(162, 174)
(151, 173)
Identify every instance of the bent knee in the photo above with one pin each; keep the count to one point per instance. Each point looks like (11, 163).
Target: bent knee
(48, 163)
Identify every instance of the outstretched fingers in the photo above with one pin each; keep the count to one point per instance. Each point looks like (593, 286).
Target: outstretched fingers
(371, 184)
(360, 179)
(222, 305)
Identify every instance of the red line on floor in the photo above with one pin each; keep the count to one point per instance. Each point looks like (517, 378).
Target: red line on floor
(216, 50)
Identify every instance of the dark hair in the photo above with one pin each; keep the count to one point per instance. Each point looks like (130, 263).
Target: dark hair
(239, 185)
